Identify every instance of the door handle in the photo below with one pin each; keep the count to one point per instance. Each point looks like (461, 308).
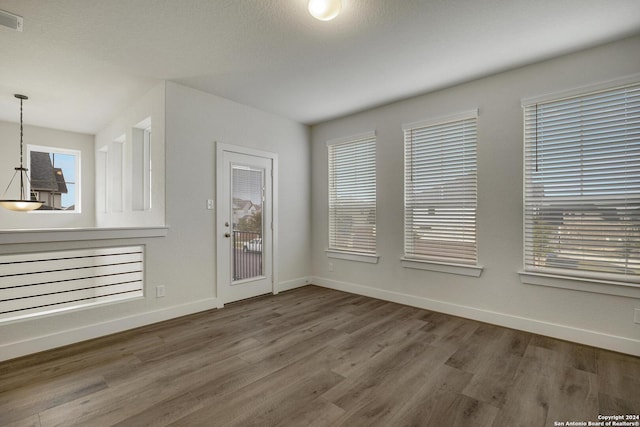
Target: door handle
(227, 235)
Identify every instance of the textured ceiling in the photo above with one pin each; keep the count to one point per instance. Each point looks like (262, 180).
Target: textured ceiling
(81, 61)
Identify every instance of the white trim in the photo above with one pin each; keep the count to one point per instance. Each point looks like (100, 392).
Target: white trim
(442, 267)
(563, 332)
(220, 149)
(77, 171)
(580, 284)
(71, 336)
(292, 284)
(10, 237)
(352, 138)
(581, 90)
(463, 115)
(144, 124)
(274, 221)
(244, 150)
(353, 256)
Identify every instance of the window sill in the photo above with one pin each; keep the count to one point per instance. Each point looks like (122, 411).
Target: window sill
(9, 237)
(442, 267)
(581, 284)
(353, 256)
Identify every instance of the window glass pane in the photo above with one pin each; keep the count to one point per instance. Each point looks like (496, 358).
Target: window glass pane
(352, 195)
(441, 191)
(53, 175)
(582, 185)
(141, 166)
(247, 190)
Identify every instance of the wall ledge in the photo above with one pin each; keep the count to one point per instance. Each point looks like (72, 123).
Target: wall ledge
(12, 237)
(622, 289)
(353, 256)
(442, 267)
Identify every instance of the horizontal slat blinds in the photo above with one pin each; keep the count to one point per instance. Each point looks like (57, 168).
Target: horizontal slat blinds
(46, 282)
(441, 190)
(582, 185)
(352, 195)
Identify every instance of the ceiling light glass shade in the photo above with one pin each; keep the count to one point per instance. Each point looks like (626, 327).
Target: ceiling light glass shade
(23, 204)
(20, 205)
(325, 10)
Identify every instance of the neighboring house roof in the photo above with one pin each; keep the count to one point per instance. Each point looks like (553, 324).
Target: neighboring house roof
(238, 203)
(44, 177)
(62, 186)
(41, 170)
(242, 204)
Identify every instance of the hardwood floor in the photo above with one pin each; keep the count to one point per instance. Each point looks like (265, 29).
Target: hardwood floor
(318, 357)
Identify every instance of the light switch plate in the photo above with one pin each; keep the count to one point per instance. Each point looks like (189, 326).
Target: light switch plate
(160, 291)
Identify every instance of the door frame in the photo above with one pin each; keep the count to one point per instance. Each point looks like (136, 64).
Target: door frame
(219, 228)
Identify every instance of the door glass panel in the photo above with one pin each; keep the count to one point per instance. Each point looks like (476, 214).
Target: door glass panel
(247, 188)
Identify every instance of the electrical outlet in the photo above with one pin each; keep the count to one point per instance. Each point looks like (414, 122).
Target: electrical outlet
(210, 204)
(330, 267)
(160, 291)
(636, 315)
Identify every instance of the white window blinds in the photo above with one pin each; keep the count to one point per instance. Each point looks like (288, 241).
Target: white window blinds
(352, 194)
(441, 189)
(582, 185)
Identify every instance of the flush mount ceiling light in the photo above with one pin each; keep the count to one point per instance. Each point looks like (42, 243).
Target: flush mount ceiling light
(325, 10)
(22, 204)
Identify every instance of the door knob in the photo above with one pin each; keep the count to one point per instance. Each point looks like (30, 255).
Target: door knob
(227, 235)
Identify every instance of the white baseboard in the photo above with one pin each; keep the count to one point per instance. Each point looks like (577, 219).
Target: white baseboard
(59, 339)
(583, 336)
(568, 333)
(292, 284)
(71, 336)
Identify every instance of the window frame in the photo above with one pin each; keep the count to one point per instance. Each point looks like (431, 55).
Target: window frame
(432, 262)
(360, 254)
(141, 166)
(77, 172)
(571, 278)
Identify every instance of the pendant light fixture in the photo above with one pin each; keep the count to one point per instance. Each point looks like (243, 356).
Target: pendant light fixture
(325, 10)
(22, 204)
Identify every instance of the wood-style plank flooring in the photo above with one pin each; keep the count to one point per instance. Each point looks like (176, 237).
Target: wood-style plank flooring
(318, 357)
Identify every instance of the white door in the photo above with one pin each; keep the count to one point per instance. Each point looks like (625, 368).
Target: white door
(244, 224)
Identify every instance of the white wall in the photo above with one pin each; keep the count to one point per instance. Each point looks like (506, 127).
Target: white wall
(497, 296)
(195, 121)
(119, 211)
(9, 159)
(184, 260)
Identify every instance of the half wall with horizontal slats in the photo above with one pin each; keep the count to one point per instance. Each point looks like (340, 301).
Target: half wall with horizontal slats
(41, 283)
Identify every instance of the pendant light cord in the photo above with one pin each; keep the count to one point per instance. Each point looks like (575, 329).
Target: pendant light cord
(21, 133)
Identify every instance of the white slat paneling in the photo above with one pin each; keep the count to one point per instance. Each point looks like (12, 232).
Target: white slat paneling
(38, 283)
